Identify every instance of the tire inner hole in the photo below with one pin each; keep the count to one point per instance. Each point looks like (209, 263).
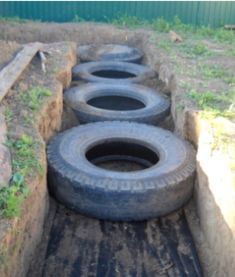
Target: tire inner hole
(113, 74)
(122, 156)
(116, 103)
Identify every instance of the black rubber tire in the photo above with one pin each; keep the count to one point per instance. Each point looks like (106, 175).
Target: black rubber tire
(85, 71)
(125, 196)
(156, 108)
(109, 52)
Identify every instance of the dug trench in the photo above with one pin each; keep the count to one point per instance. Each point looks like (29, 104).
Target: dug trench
(49, 240)
(76, 245)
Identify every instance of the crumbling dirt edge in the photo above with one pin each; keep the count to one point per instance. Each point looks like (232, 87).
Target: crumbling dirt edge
(20, 236)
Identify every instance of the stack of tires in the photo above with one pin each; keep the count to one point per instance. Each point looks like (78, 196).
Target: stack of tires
(119, 118)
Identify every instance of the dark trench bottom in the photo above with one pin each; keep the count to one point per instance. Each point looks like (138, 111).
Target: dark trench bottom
(113, 74)
(80, 246)
(116, 103)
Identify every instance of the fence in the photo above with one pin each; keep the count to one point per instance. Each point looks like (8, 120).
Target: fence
(206, 13)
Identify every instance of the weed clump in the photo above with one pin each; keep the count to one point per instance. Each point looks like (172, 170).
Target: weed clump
(33, 98)
(24, 152)
(128, 22)
(24, 163)
(161, 25)
(214, 104)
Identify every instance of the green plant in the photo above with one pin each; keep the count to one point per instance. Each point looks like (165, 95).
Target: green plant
(8, 115)
(199, 49)
(11, 197)
(214, 104)
(165, 44)
(161, 25)
(12, 19)
(229, 79)
(33, 98)
(128, 21)
(203, 100)
(230, 52)
(178, 25)
(78, 19)
(25, 163)
(211, 72)
(204, 31)
(222, 35)
(180, 107)
(24, 155)
(192, 50)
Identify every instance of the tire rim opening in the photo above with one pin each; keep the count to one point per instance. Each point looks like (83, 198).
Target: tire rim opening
(116, 103)
(122, 156)
(113, 74)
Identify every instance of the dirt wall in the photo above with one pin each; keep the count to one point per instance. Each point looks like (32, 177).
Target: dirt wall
(20, 236)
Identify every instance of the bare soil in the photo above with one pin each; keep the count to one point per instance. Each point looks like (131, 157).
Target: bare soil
(20, 236)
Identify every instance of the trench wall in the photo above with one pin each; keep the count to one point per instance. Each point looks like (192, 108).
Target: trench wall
(20, 236)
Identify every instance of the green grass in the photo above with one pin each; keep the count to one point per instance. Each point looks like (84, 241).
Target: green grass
(11, 197)
(200, 49)
(212, 71)
(127, 21)
(229, 79)
(12, 19)
(34, 97)
(165, 44)
(24, 163)
(78, 19)
(8, 115)
(193, 50)
(230, 52)
(161, 25)
(214, 104)
(24, 151)
(186, 30)
(216, 72)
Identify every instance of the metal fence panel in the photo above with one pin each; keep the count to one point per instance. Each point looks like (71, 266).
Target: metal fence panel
(210, 13)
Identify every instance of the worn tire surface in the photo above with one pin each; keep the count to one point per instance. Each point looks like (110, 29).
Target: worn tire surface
(126, 196)
(156, 106)
(109, 52)
(85, 72)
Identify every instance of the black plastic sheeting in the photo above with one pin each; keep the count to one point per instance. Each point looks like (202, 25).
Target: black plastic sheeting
(80, 246)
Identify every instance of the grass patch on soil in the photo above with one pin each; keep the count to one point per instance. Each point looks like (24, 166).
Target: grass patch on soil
(24, 153)
(186, 30)
(221, 139)
(34, 97)
(216, 72)
(8, 115)
(24, 164)
(213, 104)
(127, 21)
(193, 50)
(211, 72)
